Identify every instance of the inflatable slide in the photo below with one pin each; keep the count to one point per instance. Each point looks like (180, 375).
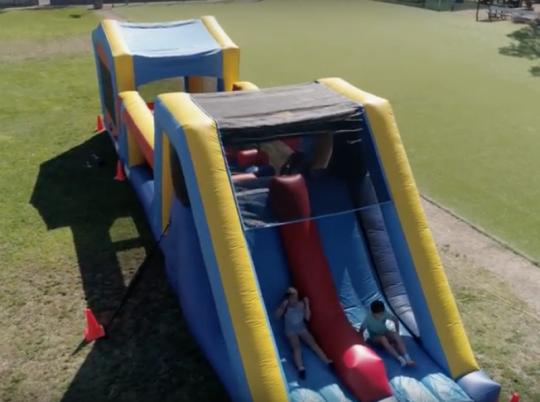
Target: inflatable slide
(257, 190)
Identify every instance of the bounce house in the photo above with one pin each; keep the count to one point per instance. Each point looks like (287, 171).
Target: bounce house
(255, 190)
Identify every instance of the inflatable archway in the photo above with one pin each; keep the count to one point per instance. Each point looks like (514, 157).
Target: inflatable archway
(129, 55)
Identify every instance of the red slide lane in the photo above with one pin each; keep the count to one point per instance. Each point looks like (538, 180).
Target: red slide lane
(358, 366)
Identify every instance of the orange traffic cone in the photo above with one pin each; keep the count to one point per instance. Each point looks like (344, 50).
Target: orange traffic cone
(120, 176)
(99, 124)
(93, 329)
(515, 397)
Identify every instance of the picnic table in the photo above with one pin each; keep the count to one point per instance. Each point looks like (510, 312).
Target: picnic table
(503, 9)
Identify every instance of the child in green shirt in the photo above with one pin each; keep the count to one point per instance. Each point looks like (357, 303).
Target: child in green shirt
(375, 323)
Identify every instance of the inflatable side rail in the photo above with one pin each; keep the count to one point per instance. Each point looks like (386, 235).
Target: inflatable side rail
(357, 365)
(138, 123)
(185, 128)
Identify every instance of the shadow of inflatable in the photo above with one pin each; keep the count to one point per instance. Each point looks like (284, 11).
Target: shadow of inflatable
(148, 353)
(76, 190)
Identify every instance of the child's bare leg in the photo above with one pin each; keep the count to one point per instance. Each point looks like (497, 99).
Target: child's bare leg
(383, 341)
(308, 338)
(396, 338)
(297, 352)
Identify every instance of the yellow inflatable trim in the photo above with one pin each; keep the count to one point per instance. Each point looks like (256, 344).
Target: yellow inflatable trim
(231, 52)
(123, 61)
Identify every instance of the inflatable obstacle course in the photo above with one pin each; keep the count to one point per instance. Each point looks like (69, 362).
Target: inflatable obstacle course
(305, 185)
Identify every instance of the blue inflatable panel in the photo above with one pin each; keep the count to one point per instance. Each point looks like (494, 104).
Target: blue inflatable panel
(430, 341)
(379, 254)
(480, 387)
(187, 275)
(444, 388)
(142, 182)
(384, 259)
(168, 39)
(408, 389)
(386, 265)
(122, 144)
(162, 50)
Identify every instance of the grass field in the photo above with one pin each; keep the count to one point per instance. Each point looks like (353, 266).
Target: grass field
(71, 237)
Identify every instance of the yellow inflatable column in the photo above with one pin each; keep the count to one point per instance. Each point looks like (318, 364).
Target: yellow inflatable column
(231, 52)
(235, 271)
(143, 121)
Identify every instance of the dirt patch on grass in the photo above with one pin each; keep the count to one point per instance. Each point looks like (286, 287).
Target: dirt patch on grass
(498, 295)
(16, 51)
(502, 328)
(459, 239)
(108, 12)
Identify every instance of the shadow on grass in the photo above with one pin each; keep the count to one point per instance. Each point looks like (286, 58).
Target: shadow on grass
(148, 354)
(526, 45)
(74, 190)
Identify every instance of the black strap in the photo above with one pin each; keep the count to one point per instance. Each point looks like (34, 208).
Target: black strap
(136, 278)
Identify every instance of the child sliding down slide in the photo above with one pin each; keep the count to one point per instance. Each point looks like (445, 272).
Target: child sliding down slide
(375, 323)
(296, 312)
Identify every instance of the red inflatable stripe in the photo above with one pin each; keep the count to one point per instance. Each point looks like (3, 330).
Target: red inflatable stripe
(357, 365)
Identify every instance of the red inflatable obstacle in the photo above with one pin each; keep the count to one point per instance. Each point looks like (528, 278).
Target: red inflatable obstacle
(358, 366)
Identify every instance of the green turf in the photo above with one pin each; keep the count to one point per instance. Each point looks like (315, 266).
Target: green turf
(45, 24)
(467, 113)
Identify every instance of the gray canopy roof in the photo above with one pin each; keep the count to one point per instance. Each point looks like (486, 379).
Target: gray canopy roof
(245, 116)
